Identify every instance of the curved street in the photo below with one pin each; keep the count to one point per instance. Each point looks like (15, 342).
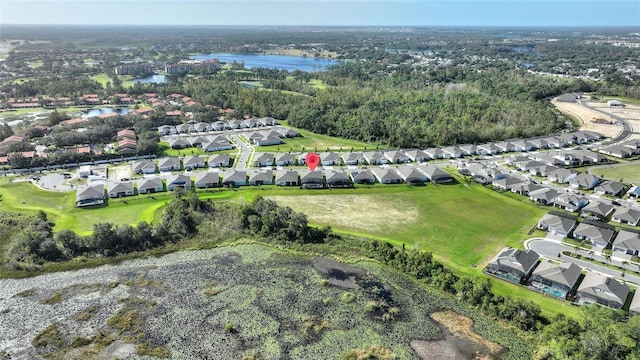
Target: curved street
(627, 130)
(550, 248)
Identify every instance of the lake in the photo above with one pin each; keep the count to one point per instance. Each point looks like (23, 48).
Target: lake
(151, 79)
(282, 62)
(97, 112)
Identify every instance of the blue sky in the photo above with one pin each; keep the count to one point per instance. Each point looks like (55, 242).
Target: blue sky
(325, 12)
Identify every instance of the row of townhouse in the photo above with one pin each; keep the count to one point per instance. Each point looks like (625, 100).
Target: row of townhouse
(173, 163)
(199, 127)
(560, 280)
(206, 143)
(599, 234)
(623, 150)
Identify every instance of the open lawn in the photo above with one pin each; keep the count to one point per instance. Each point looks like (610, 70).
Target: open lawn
(102, 79)
(316, 142)
(627, 173)
(35, 64)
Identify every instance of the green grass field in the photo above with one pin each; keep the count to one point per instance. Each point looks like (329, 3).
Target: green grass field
(316, 142)
(103, 79)
(627, 173)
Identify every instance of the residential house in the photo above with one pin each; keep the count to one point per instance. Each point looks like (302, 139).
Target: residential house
(508, 183)
(90, 195)
(127, 146)
(197, 141)
(634, 307)
(374, 157)
(412, 176)
(522, 145)
(150, 185)
(557, 280)
(435, 174)
(417, 155)
(167, 130)
(178, 181)
(513, 265)
(600, 289)
(625, 215)
(387, 176)
(548, 159)
(311, 179)
(286, 178)
(598, 235)
(192, 162)
(544, 171)
(202, 127)
(505, 146)
(263, 159)
(557, 225)
(618, 151)
(126, 133)
(612, 188)
(169, 163)
(338, 179)
(143, 167)
(234, 178)
(329, 158)
(261, 177)
(570, 202)
(525, 189)
(185, 128)
(563, 176)
(266, 121)
(352, 158)
(362, 176)
(538, 143)
(545, 196)
(120, 189)
(584, 181)
(207, 180)
(219, 160)
(434, 153)
(468, 149)
(266, 141)
(597, 209)
(287, 132)
(488, 149)
(285, 159)
(452, 152)
(634, 192)
(627, 242)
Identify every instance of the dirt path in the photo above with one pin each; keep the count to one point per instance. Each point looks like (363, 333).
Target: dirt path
(586, 116)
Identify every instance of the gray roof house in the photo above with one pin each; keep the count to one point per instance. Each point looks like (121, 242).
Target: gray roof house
(557, 225)
(600, 289)
(508, 183)
(150, 186)
(387, 176)
(286, 178)
(522, 145)
(219, 160)
(505, 146)
(563, 176)
(207, 180)
(544, 170)
(598, 235)
(362, 176)
(120, 189)
(610, 188)
(449, 152)
(338, 179)
(374, 158)
(396, 157)
(544, 196)
(488, 149)
(634, 307)
(178, 181)
(146, 166)
(311, 179)
(412, 176)
(329, 158)
(90, 195)
(287, 132)
(585, 181)
(192, 162)
(513, 265)
(597, 209)
(352, 158)
(178, 143)
(262, 177)
(170, 163)
(434, 153)
(263, 159)
(557, 280)
(468, 149)
(285, 159)
(233, 178)
(217, 146)
(435, 174)
(627, 242)
(417, 155)
(570, 202)
(268, 140)
(625, 215)
(526, 188)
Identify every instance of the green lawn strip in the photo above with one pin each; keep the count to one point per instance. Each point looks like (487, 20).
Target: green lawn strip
(316, 142)
(317, 83)
(102, 79)
(627, 173)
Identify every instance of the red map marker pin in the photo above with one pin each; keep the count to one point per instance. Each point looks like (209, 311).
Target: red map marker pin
(312, 160)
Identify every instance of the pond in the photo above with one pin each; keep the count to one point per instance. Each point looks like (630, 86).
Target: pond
(282, 62)
(97, 112)
(158, 79)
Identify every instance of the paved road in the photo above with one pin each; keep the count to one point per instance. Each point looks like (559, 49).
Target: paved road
(627, 130)
(550, 249)
(245, 152)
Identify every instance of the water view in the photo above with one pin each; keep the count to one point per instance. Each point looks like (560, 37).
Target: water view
(151, 79)
(283, 62)
(97, 112)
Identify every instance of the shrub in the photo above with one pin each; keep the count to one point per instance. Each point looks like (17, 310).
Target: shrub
(347, 297)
